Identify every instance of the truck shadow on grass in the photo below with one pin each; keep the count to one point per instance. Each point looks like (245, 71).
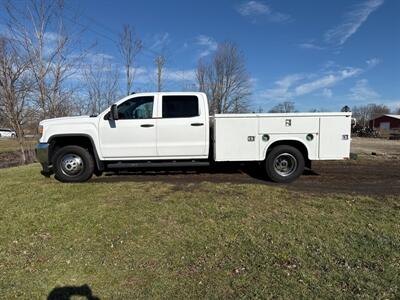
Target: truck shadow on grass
(218, 174)
(70, 292)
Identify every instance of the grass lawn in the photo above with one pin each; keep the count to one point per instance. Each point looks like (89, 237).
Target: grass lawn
(10, 145)
(155, 240)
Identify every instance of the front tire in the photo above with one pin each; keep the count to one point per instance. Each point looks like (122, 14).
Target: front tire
(284, 164)
(73, 164)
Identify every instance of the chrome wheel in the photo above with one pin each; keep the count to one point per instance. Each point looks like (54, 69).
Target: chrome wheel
(285, 164)
(71, 164)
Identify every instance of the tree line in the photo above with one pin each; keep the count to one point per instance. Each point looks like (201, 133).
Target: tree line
(46, 70)
(362, 113)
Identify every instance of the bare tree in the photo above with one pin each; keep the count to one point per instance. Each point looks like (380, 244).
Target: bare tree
(160, 62)
(101, 81)
(365, 113)
(129, 46)
(52, 51)
(397, 112)
(225, 80)
(2, 118)
(284, 107)
(15, 87)
(203, 73)
(377, 110)
(315, 110)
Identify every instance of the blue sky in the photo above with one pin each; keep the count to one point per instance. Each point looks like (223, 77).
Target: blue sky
(317, 53)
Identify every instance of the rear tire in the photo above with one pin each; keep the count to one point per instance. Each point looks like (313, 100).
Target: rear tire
(73, 164)
(284, 164)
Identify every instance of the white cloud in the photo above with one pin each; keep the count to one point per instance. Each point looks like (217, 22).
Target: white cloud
(50, 36)
(330, 64)
(294, 85)
(180, 75)
(142, 75)
(253, 8)
(208, 45)
(51, 41)
(373, 62)
(310, 45)
(281, 92)
(99, 58)
(327, 93)
(394, 105)
(257, 8)
(253, 81)
(149, 75)
(289, 80)
(353, 20)
(326, 81)
(160, 40)
(363, 92)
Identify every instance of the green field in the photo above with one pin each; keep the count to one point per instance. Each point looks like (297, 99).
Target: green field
(10, 145)
(150, 239)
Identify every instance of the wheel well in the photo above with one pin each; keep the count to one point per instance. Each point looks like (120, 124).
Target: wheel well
(296, 144)
(58, 142)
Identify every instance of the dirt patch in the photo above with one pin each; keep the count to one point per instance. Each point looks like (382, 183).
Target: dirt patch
(13, 159)
(363, 177)
(382, 148)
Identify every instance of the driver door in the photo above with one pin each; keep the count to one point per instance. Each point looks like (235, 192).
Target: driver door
(133, 135)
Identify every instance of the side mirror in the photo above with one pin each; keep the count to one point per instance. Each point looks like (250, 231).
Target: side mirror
(114, 112)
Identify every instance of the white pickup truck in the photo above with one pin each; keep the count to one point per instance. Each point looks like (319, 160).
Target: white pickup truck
(174, 129)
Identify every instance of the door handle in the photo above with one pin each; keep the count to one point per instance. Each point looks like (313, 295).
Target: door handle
(147, 125)
(197, 124)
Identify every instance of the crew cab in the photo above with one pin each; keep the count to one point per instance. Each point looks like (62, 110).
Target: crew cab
(149, 130)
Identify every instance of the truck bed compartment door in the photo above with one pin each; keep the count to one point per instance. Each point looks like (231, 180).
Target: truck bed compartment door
(236, 139)
(288, 125)
(334, 140)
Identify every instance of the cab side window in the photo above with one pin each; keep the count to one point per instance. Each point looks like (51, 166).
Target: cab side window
(136, 108)
(180, 106)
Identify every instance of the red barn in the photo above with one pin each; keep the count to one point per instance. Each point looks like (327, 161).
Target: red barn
(386, 122)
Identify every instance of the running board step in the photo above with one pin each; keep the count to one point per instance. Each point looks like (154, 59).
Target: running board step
(122, 165)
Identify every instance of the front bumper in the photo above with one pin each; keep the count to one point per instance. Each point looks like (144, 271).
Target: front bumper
(42, 155)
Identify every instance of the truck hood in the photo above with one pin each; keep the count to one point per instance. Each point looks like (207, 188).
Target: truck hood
(65, 120)
(68, 125)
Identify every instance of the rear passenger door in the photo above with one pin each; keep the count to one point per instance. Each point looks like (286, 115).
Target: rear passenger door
(181, 130)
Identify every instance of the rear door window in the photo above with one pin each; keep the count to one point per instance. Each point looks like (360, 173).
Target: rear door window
(180, 106)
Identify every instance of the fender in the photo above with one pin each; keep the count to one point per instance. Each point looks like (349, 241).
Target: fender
(99, 163)
(281, 140)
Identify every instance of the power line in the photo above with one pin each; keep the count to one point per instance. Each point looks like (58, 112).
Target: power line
(114, 32)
